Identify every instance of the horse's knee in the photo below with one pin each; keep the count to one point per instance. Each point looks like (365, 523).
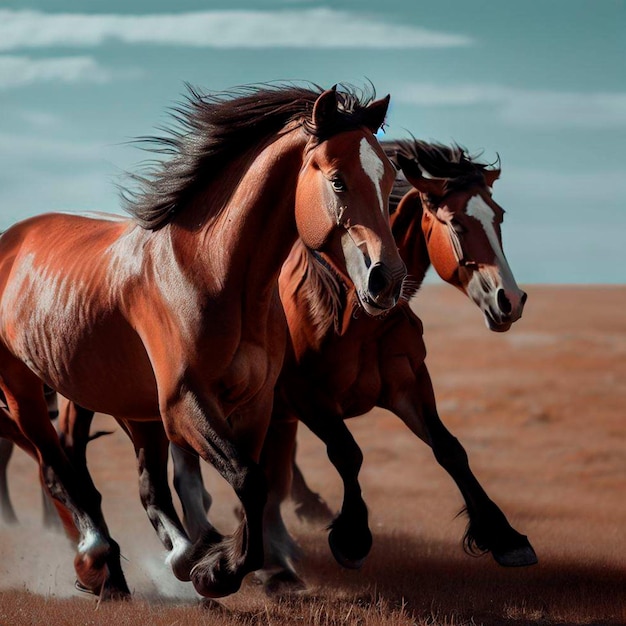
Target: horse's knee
(251, 487)
(450, 453)
(345, 455)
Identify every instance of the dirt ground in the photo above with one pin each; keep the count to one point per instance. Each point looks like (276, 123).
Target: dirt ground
(540, 411)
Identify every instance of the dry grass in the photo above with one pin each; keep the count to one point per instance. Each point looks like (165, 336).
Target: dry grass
(541, 413)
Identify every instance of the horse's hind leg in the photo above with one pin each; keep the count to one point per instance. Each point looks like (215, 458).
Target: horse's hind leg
(97, 562)
(51, 519)
(310, 506)
(7, 512)
(74, 426)
(488, 529)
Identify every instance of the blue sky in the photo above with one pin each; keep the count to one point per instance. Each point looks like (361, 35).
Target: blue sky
(542, 83)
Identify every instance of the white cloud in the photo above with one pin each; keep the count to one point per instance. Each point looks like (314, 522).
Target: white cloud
(290, 28)
(20, 71)
(523, 107)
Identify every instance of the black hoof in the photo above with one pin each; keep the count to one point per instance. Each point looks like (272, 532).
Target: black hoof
(517, 557)
(284, 582)
(215, 584)
(349, 556)
(106, 593)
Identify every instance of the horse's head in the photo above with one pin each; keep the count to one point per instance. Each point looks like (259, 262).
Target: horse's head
(461, 224)
(347, 175)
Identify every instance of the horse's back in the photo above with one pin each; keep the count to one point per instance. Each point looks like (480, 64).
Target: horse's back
(60, 304)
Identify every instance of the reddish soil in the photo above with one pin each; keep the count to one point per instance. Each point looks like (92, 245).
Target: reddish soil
(540, 411)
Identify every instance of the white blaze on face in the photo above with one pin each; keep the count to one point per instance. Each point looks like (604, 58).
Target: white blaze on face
(480, 210)
(373, 167)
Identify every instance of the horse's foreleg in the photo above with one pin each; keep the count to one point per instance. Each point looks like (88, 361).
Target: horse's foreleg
(97, 562)
(488, 529)
(7, 512)
(350, 538)
(151, 448)
(194, 498)
(194, 422)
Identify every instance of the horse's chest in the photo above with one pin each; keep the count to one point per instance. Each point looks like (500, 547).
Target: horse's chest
(354, 377)
(252, 370)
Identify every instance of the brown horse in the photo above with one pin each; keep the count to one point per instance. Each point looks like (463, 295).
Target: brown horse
(171, 320)
(341, 364)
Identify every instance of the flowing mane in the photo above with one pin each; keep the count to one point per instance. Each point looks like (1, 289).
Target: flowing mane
(211, 130)
(453, 163)
(321, 289)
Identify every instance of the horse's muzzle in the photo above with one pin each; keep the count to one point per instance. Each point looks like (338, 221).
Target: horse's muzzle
(384, 287)
(504, 309)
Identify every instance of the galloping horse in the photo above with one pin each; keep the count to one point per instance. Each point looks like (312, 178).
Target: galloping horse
(341, 364)
(171, 319)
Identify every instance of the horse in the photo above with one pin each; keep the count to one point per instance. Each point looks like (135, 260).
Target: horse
(341, 364)
(170, 319)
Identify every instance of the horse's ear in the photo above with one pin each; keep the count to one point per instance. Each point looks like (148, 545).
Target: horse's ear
(325, 108)
(491, 176)
(414, 175)
(376, 113)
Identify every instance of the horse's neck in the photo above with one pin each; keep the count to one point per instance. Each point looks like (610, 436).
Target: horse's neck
(245, 245)
(406, 225)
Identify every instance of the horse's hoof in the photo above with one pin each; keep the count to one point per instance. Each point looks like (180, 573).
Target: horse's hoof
(106, 593)
(282, 583)
(181, 562)
(215, 582)
(518, 557)
(354, 561)
(113, 594)
(80, 587)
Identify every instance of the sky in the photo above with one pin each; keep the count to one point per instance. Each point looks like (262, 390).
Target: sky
(541, 83)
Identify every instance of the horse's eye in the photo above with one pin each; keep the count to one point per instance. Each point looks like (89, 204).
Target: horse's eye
(338, 185)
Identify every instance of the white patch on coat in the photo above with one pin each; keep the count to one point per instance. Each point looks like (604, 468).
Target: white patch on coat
(126, 255)
(179, 293)
(373, 167)
(48, 335)
(180, 543)
(92, 541)
(480, 210)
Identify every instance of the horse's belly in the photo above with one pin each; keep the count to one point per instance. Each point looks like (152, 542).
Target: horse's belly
(101, 365)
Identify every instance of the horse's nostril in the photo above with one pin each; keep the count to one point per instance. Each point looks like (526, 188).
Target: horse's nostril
(504, 303)
(524, 298)
(377, 281)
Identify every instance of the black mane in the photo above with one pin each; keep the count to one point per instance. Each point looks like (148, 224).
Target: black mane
(453, 163)
(213, 129)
